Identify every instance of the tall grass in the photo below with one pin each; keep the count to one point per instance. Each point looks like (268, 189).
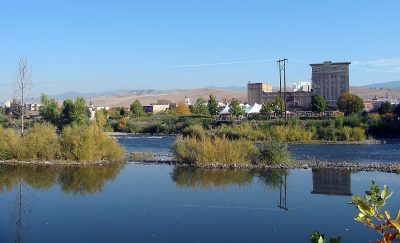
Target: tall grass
(76, 143)
(214, 151)
(89, 143)
(242, 131)
(10, 142)
(223, 151)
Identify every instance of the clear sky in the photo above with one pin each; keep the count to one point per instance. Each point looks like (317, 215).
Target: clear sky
(91, 46)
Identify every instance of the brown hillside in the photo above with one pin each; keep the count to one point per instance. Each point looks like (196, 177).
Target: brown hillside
(173, 96)
(125, 99)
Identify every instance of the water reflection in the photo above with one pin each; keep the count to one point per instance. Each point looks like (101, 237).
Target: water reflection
(207, 178)
(331, 182)
(72, 179)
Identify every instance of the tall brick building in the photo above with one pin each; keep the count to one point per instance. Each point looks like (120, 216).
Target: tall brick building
(330, 80)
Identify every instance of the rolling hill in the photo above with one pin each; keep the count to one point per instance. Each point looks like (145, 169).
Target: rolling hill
(148, 96)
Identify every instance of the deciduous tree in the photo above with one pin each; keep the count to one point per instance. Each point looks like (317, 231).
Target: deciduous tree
(200, 107)
(235, 109)
(385, 107)
(49, 111)
(350, 104)
(212, 105)
(267, 109)
(137, 109)
(182, 109)
(318, 103)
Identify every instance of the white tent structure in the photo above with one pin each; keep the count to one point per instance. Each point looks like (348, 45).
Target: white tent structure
(225, 111)
(246, 108)
(255, 109)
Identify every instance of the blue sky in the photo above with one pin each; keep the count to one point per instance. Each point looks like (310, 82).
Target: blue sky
(106, 45)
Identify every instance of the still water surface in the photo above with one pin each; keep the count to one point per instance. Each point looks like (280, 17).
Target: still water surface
(366, 153)
(160, 203)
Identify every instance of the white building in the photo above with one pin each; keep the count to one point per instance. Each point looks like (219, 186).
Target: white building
(187, 100)
(154, 108)
(7, 104)
(302, 86)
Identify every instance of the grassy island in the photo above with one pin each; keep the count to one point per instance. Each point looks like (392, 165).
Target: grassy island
(200, 147)
(84, 143)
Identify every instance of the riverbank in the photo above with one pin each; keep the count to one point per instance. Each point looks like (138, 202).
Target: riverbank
(60, 163)
(363, 142)
(343, 166)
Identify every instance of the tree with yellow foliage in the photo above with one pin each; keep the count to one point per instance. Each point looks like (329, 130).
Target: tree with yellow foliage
(183, 109)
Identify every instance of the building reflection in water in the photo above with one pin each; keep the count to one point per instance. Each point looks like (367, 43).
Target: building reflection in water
(331, 182)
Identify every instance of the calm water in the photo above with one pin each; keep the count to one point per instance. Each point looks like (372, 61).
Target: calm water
(155, 203)
(368, 153)
(160, 203)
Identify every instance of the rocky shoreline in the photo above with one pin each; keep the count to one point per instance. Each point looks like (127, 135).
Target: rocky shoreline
(344, 166)
(167, 159)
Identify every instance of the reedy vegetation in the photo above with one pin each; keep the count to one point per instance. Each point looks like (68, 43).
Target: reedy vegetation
(86, 143)
(200, 148)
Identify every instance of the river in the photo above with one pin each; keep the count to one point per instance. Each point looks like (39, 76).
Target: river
(162, 203)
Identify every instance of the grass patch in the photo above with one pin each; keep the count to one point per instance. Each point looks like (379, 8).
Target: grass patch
(205, 151)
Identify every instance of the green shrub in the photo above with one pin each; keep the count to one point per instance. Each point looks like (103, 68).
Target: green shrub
(40, 143)
(10, 142)
(339, 123)
(352, 121)
(274, 152)
(89, 143)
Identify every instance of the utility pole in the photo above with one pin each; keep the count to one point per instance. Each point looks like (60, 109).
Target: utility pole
(282, 67)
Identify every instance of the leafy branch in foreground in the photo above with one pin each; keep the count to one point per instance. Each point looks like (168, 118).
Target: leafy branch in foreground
(317, 237)
(370, 213)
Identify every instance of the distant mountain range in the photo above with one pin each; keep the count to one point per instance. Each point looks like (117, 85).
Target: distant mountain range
(393, 85)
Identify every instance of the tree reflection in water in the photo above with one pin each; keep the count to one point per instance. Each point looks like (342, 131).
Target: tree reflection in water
(208, 178)
(72, 179)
